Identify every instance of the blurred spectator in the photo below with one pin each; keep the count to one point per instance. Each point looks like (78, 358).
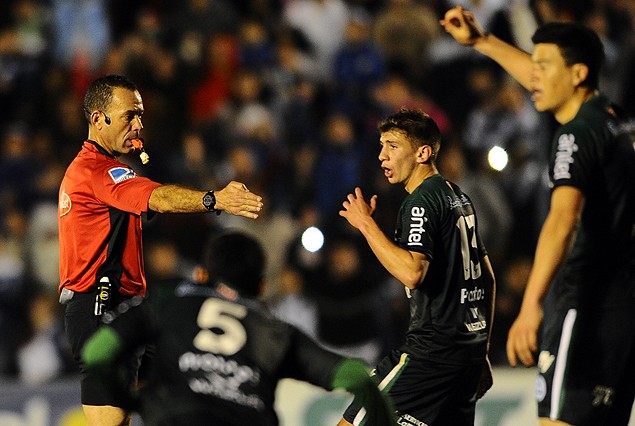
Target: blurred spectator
(346, 298)
(291, 304)
(323, 23)
(207, 96)
(81, 37)
(337, 165)
(358, 66)
(14, 287)
(44, 355)
(19, 168)
(42, 246)
(257, 52)
(397, 91)
(195, 161)
(404, 30)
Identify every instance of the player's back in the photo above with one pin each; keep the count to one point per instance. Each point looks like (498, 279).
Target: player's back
(219, 358)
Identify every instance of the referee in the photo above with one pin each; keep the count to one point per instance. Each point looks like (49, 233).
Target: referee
(101, 201)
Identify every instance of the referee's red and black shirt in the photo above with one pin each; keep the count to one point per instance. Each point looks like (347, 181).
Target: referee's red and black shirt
(100, 205)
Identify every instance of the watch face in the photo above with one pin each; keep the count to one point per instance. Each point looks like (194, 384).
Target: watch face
(207, 201)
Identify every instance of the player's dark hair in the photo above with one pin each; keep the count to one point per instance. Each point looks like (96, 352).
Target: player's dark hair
(99, 94)
(420, 129)
(578, 45)
(238, 261)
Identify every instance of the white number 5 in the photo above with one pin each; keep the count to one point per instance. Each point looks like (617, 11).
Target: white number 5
(223, 317)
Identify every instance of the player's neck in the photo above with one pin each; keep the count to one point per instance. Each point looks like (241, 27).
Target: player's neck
(421, 173)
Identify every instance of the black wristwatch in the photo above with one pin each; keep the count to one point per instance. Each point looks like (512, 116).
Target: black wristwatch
(209, 201)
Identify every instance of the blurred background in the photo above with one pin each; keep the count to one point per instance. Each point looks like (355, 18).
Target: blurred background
(283, 95)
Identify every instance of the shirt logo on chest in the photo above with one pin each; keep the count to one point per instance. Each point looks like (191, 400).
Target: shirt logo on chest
(564, 156)
(417, 221)
(64, 203)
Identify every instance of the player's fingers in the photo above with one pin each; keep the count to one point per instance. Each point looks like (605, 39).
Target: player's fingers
(524, 351)
(511, 352)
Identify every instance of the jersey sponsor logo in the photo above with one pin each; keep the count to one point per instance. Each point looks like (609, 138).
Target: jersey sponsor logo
(476, 326)
(545, 360)
(64, 203)
(564, 156)
(459, 202)
(119, 174)
(221, 377)
(408, 420)
(416, 231)
(473, 295)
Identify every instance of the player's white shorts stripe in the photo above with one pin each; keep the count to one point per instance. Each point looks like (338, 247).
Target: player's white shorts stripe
(561, 362)
(389, 377)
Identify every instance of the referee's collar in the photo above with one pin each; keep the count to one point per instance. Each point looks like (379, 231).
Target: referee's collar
(100, 148)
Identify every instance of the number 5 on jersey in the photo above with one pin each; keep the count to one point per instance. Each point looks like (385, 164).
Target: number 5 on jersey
(225, 317)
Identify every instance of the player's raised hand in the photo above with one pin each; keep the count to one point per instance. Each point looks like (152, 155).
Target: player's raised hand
(236, 199)
(356, 210)
(462, 26)
(522, 340)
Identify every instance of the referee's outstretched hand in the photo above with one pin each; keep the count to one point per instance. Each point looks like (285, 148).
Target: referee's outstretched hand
(236, 199)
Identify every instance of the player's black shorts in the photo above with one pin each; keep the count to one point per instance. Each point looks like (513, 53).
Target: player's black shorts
(425, 392)
(80, 323)
(586, 367)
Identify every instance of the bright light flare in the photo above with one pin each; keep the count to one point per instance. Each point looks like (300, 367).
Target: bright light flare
(312, 239)
(497, 158)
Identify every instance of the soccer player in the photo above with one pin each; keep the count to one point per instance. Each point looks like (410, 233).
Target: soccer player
(219, 353)
(580, 295)
(100, 204)
(442, 368)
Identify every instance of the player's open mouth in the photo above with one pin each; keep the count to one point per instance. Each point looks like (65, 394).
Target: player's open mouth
(387, 172)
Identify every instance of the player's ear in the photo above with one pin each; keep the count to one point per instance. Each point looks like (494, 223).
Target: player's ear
(580, 73)
(424, 154)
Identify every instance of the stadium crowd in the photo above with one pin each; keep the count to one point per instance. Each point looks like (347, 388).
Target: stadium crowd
(283, 95)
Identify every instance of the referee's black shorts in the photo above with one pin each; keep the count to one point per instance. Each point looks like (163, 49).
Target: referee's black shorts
(80, 323)
(425, 392)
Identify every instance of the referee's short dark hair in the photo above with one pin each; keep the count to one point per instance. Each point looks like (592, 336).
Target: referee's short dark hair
(236, 260)
(99, 94)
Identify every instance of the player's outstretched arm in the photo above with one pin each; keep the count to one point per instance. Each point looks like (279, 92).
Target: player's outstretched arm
(466, 30)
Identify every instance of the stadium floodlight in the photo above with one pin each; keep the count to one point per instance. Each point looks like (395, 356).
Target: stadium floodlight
(312, 239)
(497, 158)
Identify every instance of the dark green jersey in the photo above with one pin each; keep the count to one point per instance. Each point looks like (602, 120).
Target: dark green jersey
(448, 311)
(594, 153)
(217, 356)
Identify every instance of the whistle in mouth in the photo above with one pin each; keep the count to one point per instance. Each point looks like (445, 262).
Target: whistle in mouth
(138, 144)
